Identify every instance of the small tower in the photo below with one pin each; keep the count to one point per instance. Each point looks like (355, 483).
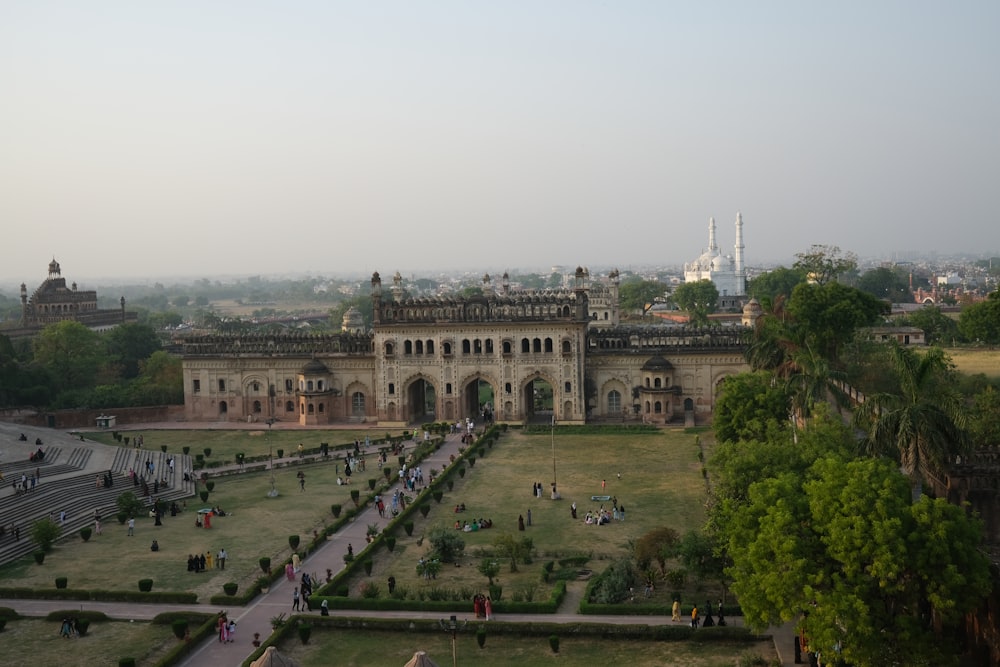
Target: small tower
(122, 302)
(741, 276)
(614, 281)
(580, 290)
(376, 297)
(505, 283)
(24, 304)
(397, 287)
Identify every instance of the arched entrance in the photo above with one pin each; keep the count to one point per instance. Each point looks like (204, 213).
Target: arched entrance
(478, 400)
(538, 401)
(421, 400)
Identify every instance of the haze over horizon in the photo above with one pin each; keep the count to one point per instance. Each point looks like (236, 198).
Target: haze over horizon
(185, 139)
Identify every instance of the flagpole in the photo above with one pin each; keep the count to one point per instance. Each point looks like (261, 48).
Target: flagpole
(553, 451)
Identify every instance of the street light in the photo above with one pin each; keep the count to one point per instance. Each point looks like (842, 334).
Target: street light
(451, 625)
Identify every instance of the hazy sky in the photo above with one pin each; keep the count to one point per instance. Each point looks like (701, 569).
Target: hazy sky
(198, 138)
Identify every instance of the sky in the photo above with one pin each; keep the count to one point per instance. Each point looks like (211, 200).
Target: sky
(146, 139)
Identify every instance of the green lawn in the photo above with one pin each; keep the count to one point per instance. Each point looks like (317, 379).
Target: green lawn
(360, 649)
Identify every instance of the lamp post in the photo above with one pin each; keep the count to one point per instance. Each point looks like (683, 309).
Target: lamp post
(451, 625)
(273, 493)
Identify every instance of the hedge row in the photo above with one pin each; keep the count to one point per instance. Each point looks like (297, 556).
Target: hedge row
(99, 595)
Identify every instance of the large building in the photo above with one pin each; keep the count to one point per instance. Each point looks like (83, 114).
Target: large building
(514, 355)
(53, 301)
(727, 272)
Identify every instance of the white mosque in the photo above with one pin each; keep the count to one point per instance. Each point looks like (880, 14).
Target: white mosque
(726, 271)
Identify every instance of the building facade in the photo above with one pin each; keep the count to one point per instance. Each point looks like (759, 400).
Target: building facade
(727, 272)
(513, 356)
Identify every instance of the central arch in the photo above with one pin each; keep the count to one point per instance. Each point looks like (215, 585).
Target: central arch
(421, 401)
(479, 399)
(538, 398)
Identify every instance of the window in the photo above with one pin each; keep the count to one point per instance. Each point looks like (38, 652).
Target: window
(506, 347)
(447, 349)
(656, 383)
(568, 387)
(388, 349)
(657, 407)
(256, 407)
(478, 346)
(222, 385)
(447, 388)
(256, 387)
(548, 345)
(466, 347)
(430, 347)
(321, 408)
(358, 403)
(408, 347)
(319, 385)
(223, 407)
(289, 385)
(614, 402)
(567, 347)
(312, 408)
(507, 388)
(536, 345)
(525, 345)
(309, 385)
(489, 346)
(392, 388)
(196, 386)
(289, 406)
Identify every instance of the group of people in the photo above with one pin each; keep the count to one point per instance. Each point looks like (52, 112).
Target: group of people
(227, 630)
(24, 438)
(482, 606)
(474, 526)
(302, 593)
(202, 562)
(69, 627)
(26, 483)
(601, 516)
(696, 618)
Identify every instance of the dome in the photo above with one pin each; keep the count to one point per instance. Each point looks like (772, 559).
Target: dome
(314, 367)
(719, 263)
(657, 365)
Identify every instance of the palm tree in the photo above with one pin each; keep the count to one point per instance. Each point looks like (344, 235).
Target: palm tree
(812, 379)
(922, 423)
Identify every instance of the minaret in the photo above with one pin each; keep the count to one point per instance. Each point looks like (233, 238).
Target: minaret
(741, 276)
(376, 298)
(711, 236)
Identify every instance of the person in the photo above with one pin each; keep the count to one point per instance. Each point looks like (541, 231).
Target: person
(520, 522)
(302, 450)
(302, 480)
(289, 572)
(572, 509)
(708, 615)
(131, 526)
(675, 611)
(296, 562)
(350, 550)
(295, 599)
(208, 559)
(324, 608)
(221, 558)
(155, 546)
(488, 608)
(392, 584)
(694, 616)
(231, 631)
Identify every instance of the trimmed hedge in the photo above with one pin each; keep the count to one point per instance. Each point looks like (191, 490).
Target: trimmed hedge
(98, 595)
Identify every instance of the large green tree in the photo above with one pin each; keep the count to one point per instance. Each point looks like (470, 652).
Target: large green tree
(885, 283)
(824, 263)
(749, 405)
(830, 315)
(937, 327)
(71, 353)
(980, 322)
(921, 424)
(700, 299)
(777, 282)
(638, 294)
(130, 344)
(872, 577)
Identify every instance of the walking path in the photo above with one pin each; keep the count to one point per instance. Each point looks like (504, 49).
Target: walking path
(257, 614)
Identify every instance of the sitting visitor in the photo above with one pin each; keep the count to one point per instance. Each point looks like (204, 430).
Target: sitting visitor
(38, 441)
(458, 525)
(155, 546)
(23, 438)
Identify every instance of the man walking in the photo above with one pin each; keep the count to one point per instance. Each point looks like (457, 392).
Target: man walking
(221, 559)
(131, 526)
(295, 599)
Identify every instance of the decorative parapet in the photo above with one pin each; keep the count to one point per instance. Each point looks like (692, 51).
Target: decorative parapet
(290, 344)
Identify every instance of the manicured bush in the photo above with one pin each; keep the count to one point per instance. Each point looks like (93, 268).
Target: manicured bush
(62, 582)
(554, 643)
(408, 528)
(208, 452)
(424, 509)
(461, 471)
(86, 532)
(203, 495)
(265, 564)
(145, 585)
(210, 485)
(82, 625)
(39, 557)
(293, 542)
(186, 450)
(371, 483)
(230, 587)
(472, 462)
(280, 453)
(390, 543)
(481, 637)
(122, 517)
(437, 495)
(163, 448)
(305, 630)
(355, 496)
(451, 485)
(387, 472)
(180, 627)
(368, 566)
(336, 510)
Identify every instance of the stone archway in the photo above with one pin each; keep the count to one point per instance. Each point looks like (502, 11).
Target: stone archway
(479, 399)
(538, 398)
(421, 401)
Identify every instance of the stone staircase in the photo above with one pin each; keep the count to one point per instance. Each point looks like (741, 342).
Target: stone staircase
(66, 485)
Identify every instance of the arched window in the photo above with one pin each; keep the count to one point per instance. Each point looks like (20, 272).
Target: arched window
(312, 408)
(289, 385)
(309, 385)
(388, 349)
(506, 347)
(392, 388)
(256, 407)
(289, 406)
(256, 387)
(358, 403)
(447, 348)
(568, 387)
(408, 347)
(321, 408)
(656, 383)
(536, 345)
(647, 383)
(466, 346)
(430, 347)
(420, 347)
(319, 385)
(447, 388)
(477, 346)
(548, 345)
(566, 347)
(489, 346)
(657, 407)
(614, 402)
(223, 407)
(507, 388)
(525, 345)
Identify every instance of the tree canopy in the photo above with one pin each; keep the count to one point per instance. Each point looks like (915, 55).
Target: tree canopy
(749, 406)
(638, 294)
(700, 299)
(824, 263)
(777, 282)
(980, 322)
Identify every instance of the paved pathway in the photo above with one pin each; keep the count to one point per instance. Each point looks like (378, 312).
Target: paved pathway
(256, 616)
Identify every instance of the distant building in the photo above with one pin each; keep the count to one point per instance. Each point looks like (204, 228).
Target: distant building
(902, 335)
(727, 272)
(53, 301)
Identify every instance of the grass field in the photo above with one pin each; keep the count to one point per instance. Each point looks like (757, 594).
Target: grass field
(31, 642)
(356, 649)
(974, 361)
(660, 484)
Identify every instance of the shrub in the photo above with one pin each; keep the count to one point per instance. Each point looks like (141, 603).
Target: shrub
(230, 587)
(293, 542)
(180, 627)
(265, 564)
(451, 484)
(424, 509)
(387, 472)
(355, 496)
(371, 483)
(481, 637)
(145, 585)
(496, 590)
(126, 662)
(86, 532)
(203, 495)
(472, 462)
(461, 471)
(3, 624)
(280, 453)
(368, 566)
(210, 485)
(390, 543)
(44, 533)
(448, 544)
(408, 528)
(370, 590)
(163, 448)
(554, 643)
(305, 630)
(336, 510)
(437, 495)
(61, 582)
(341, 591)
(122, 517)
(39, 557)
(208, 452)
(186, 450)
(82, 625)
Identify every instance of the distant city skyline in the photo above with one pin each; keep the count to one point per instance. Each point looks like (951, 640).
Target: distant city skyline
(181, 139)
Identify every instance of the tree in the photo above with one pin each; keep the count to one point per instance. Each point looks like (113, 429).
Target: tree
(823, 263)
(512, 548)
(129, 344)
(44, 533)
(130, 504)
(830, 315)
(886, 283)
(984, 418)
(70, 352)
(700, 299)
(489, 568)
(749, 406)
(922, 423)
(448, 545)
(638, 294)
(980, 322)
(937, 327)
(657, 545)
(875, 577)
(777, 282)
